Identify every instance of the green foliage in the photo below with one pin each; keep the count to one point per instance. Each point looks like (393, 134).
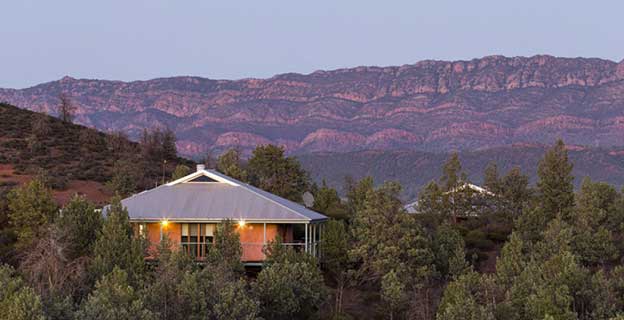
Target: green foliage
(515, 192)
(125, 177)
(116, 246)
(335, 244)
(180, 171)
(270, 170)
(555, 187)
(235, 303)
(327, 201)
(511, 262)
(17, 301)
(114, 298)
(79, 223)
(393, 294)
(452, 176)
(290, 289)
(356, 194)
(31, 208)
(491, 180)
(449, 252)
(227, 249)
(231, 164)
(386, 238)
(162, 295)
(460, 302)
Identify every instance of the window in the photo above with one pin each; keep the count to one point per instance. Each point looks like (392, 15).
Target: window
(203, 179)
(142, 230)
(197, 238)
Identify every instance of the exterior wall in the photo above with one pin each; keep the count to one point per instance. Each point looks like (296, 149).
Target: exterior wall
(251, 237)
(172, 230)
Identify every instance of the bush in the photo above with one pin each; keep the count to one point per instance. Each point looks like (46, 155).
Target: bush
(478, 239)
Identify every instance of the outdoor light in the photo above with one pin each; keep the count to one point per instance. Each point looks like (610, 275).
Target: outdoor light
(164, 223)
(241, 223)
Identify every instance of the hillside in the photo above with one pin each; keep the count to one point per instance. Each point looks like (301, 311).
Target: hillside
(76, 159)
(432, 106)
(414, 169)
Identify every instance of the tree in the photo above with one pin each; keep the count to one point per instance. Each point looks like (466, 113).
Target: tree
(555, 187)
(31, 208)
(235, 303)
(511, 262)
(356, 193)
(230, 164)
(515, 191)
(491, 180)
(114, 298)
(79, 224)
(66, 108)
(17, 301)
(227, 250)
(163, 294)
(180, 171)
(115, 246)
(327, 201)
(169, 149)
(393, 294)
(125, 177)
(449, 250)
(270, 170)
(387, 239)
(290, 289)
(335, 244)
(457, 198)
(52, 271)
(459, 300)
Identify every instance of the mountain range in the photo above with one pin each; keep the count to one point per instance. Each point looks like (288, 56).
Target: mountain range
(430, 106)
(390, 122)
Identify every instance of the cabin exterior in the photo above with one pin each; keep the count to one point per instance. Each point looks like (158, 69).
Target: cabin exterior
(188, 210)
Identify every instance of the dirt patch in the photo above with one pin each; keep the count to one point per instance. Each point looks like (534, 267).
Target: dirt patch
(93, 191)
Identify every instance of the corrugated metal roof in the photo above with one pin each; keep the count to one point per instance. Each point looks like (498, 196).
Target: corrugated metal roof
(207, 201)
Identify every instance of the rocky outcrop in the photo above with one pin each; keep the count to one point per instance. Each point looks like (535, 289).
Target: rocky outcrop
(427, 106)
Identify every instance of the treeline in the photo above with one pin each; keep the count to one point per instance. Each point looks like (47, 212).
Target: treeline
(561, 259)
(561, 255)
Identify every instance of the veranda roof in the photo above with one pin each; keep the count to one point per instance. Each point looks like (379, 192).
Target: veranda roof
(215, 198)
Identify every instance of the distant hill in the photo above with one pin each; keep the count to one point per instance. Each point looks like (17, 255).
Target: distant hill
(431, 106)
(414, 169)
(75, 158)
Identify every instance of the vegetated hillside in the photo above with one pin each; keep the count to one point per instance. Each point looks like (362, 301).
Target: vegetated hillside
(433, 106)
(74, 158)
(414, 169)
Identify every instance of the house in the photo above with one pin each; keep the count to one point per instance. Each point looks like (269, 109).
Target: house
(188, 210)
(478, 195)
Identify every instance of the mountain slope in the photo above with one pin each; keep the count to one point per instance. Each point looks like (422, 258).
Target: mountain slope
(414, 169)
(433, 106)
(74, 158)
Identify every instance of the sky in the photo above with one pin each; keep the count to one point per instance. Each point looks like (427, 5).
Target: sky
(43, 40)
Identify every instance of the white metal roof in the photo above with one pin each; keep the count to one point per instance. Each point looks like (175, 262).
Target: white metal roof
(225, 198)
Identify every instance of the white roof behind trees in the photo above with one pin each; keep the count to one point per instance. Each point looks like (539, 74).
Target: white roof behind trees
(412, 207)
(207, 195)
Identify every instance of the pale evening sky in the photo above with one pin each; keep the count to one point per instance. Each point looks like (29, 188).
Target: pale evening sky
(44, 40)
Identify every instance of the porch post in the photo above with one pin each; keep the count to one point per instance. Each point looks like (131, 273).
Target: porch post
(264, 239)
(161, 231)
(320, 241)
(314, 239)
(306, 237)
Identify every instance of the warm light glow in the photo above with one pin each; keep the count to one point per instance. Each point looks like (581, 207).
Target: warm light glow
(164, 223)
(241, 223)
